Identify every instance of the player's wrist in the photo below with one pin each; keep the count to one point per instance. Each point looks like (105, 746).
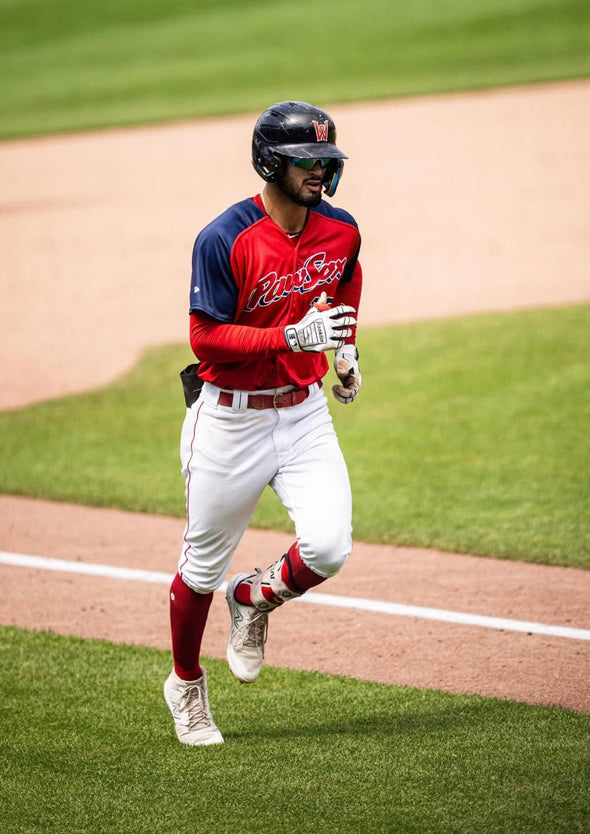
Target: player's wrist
(348, 351)
(291, 340)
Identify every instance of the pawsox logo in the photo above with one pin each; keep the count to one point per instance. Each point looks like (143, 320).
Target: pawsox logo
(316, 270)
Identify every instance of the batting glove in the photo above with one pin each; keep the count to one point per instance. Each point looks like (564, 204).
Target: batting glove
(347, 369)
(322, 328)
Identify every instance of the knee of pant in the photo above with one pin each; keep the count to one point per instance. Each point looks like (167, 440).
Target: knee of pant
(326, 555)
(198, 584)
(201, 578)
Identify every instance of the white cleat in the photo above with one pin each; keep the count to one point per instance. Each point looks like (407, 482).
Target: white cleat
(247, 635)
(189, 704)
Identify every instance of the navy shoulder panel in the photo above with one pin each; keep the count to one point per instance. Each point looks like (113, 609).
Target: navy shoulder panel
(232, 222)
(328, 210)
(213, 288)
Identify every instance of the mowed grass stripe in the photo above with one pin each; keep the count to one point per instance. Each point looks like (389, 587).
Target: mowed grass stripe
(84, 723)
(66, 66)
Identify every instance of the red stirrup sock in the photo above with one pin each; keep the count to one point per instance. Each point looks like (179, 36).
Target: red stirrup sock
(242, 592)
(188, 616)
(295, 573)
(286, 578)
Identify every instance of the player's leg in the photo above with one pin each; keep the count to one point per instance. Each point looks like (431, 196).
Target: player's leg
(312, 482)
(315, 489)
(225, 469)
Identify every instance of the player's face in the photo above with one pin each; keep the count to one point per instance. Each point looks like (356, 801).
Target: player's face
(301, 186)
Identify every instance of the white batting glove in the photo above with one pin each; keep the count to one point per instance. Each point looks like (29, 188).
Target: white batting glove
(322, 328)
(347, 369)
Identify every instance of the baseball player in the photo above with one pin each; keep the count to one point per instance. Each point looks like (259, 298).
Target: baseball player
(275, 289)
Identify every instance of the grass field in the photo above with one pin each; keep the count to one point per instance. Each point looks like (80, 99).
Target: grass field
(468, 436)
(88, 746)
(66, 65)
(472, 431)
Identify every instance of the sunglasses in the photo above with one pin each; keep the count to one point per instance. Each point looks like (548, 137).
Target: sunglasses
(308, 164)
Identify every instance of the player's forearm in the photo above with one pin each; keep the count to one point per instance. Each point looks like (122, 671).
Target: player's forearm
(215, 342)
(349, 293)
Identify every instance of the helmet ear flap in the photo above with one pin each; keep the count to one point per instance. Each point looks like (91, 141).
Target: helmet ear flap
(268, 164)
(332, 176)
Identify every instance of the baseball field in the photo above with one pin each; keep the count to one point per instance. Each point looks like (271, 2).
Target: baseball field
(441, 682)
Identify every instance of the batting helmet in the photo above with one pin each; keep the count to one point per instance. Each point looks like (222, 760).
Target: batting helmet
(296, 129)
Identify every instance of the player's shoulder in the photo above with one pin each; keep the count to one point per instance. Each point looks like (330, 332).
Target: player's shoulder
(228, 225)
(334, 213)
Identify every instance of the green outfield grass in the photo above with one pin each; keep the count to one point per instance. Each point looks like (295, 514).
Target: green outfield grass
(470, 435)
(88, 745)
(66, 65)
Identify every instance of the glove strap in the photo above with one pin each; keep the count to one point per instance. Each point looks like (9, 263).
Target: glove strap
(292, 340)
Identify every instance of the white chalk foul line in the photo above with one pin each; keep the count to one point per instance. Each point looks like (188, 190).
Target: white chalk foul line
(22, 560)
(440, 614)
(372, 605)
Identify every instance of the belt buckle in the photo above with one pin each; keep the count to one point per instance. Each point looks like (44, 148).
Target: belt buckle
(274, 399)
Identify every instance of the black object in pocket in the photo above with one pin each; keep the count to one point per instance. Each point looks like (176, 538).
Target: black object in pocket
(191, 384)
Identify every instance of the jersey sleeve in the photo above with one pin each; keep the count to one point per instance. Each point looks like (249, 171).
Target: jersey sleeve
(349, 292)
(215, 342)
(213, 288)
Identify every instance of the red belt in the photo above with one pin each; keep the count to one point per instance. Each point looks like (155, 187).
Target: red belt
(298, 395)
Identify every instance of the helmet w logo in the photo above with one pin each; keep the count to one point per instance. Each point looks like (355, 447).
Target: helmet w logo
(321, 130)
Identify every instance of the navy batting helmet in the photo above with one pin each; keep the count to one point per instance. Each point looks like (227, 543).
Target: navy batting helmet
(296, 129)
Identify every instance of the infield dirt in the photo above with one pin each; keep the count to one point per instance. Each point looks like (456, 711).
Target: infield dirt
(467, 203)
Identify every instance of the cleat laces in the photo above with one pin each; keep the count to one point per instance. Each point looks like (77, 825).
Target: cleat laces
(192, 707)
(252, 635)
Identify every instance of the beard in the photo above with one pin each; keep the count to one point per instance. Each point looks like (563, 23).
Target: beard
(296, 194)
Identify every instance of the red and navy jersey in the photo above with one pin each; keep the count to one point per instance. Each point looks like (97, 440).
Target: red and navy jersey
(247, 272)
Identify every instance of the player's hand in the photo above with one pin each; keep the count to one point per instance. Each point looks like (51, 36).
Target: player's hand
(322, 328)
(346, 366)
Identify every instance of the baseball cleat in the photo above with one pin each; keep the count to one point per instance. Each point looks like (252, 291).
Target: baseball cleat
(247, 635)
(189, 704)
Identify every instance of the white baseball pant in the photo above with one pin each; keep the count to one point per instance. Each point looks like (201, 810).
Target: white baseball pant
(230, 454)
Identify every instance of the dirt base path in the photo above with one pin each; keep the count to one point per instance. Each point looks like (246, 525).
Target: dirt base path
(467, 203)
(396, 650)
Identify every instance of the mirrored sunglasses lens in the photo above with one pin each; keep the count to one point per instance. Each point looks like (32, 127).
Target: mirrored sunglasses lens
(308, 164)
